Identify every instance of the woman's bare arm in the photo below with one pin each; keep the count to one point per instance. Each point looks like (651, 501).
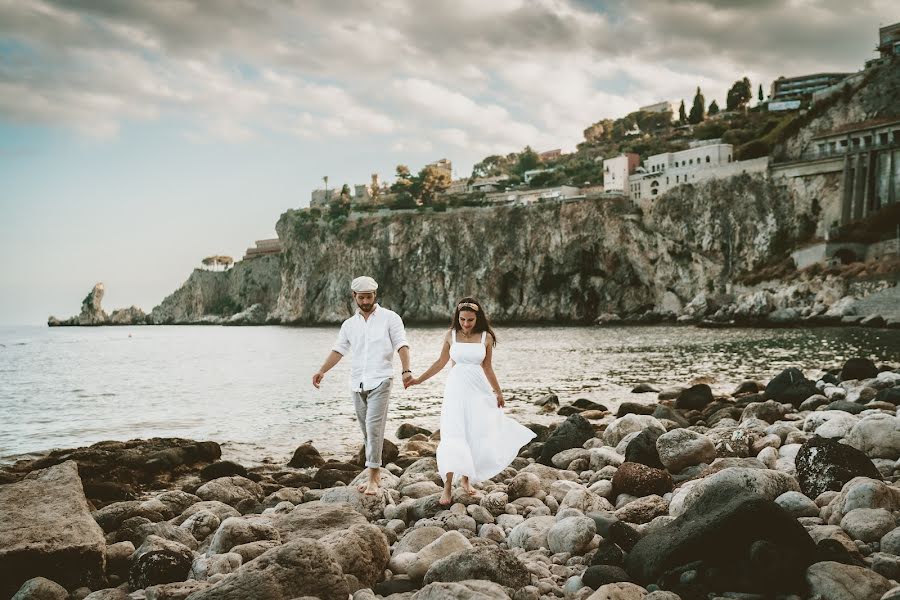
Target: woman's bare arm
(439, 364)
(489, 370)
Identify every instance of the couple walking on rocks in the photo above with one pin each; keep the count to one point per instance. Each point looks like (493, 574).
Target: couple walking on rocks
(477, 439)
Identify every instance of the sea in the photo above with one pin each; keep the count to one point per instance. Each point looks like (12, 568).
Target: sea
(250, 388)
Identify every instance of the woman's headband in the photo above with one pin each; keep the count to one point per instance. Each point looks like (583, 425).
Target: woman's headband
(468, 305)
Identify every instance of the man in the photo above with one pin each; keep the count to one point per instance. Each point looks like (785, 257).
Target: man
(374, 333)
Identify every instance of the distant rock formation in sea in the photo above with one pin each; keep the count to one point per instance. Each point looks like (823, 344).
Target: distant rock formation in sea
(92, 313)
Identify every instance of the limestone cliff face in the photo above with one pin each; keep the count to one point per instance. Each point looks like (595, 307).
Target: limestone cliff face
(214, 294)
(546, 262)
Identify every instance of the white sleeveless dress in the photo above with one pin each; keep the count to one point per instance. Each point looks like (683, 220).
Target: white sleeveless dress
(477, 439)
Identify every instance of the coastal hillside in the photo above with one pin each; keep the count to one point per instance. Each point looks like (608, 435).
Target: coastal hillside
(553, 261)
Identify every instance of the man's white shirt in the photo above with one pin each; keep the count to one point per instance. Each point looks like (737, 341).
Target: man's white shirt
(373, 342)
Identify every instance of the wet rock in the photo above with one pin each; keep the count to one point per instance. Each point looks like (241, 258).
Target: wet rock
(222, 468)
(790, 387)
(734, 539)
(41, 588)
(683, 448)
(571, 433)
(769, 411)
(837, 581)
(485, 563)
(572, 535)
(862, 492)
(447, 544)
(165, 530)
(858, 368)
(531, 534)
(205, 567)
(868, 524)
(236, 531)
(239, 492)
(159, 561)
(639, 480)
(824, 464)
(306, 455)
(362, 551)
(301, 567)
(178, 590)
(608, 553)
(695, 397)
(407, 430)
(389, 453)
(315, 520)
(643, 388)
(878, 436)
(642, 449)
(46, 529)
(332, 472)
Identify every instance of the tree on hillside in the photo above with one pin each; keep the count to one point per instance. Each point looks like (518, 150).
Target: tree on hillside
(713, 108)
(761, 97)
(491, 166)
(528, 160)
(682, 115)
(698, 110)
(403, 179)
(739, 95)
(345, 194)
(430, 182)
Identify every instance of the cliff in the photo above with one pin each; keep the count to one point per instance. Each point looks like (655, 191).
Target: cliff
(557, 262)
(92, 313)
(215, 296)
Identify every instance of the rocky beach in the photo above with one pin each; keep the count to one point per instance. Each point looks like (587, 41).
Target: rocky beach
(786, 488)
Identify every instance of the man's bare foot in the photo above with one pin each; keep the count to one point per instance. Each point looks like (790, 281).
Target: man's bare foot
(445, 499)
(372, 488)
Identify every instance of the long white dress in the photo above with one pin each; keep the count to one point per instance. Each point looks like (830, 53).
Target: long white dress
(477, 439)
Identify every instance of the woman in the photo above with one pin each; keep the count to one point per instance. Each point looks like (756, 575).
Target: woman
(477, 439)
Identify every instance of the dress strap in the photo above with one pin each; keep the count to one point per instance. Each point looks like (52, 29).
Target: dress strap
(454, 335)
(483, 336)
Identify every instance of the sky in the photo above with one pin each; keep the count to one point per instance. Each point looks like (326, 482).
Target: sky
(138, 137)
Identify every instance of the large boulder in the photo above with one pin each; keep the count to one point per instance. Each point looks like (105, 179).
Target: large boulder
(861, 492)
(159, 560)
(46, 529)
(877, 435)
(447, 544)
(239, 492)
(642, 449)
(695, 397)
(743, 543)
(315, 520)
(858, 368)
(730, 482)
(306, 455)
(790, 387)
(616, 431)
(681, 448)
(489, 563)
(235, 531)
(370, 506)
(825, 464)
(41, 588)
(301, 567)
(531, 534)
(361, 551)
(472, 589)
(571, 433)
(571, 534)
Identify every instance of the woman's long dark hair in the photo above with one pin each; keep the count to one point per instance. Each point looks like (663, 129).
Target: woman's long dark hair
(482, 323)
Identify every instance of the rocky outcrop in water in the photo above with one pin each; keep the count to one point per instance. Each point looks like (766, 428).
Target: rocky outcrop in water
(248, 289)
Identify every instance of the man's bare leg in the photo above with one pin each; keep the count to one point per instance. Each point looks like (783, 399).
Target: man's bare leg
(373, 487)
(445, 498)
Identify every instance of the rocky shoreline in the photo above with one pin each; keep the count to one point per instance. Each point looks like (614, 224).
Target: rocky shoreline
(789, 489)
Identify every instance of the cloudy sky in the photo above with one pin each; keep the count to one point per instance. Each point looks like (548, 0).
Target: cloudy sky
(137, 137)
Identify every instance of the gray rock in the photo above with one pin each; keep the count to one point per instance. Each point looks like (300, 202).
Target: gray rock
(220, 509)
(371, 507)
(461, 590)
(683, 448)
(862, 492)
(418, 538)
(524, 485)
(620, 590)
(362, 551)
(108, 594)
(485, 562)
(447, 544)
(235, 531)
(301, 567)
(46, 528)
(178, 590)
(890, 542)
(217, 564)
(643, 510)
(159, 560)
(41, 588)
(837, 581)
(202, 524)
(731, 482)
(797, 504)
(531, 534)
(886, 565)
(630, 423)
(239, 492)
(315, 520)
(572, 535)
(877, 435)
(868, 524)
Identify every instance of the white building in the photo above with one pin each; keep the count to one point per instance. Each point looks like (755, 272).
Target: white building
(527, 176)
(557, 193)
(616, 171)
(659, 107)
(458, 186)
(709, 160)
(488, 184)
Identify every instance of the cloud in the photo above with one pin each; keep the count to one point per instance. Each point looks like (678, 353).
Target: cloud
(483, 76)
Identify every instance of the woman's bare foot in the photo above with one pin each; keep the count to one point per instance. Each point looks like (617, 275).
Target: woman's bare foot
(445, 499)
(467, 487)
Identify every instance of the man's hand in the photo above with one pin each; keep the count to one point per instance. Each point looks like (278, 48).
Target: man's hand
(317, 379)
(407, 380)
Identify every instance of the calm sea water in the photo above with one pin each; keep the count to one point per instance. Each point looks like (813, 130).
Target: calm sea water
(250, 389)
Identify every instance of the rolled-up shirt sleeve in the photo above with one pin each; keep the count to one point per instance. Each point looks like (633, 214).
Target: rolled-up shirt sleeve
(342, 345)
(397, 333)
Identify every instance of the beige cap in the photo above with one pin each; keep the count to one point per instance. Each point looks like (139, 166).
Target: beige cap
(363, 284)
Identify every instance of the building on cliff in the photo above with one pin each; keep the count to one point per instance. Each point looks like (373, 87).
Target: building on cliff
(444, 166)
(889, 41)
(660, 107)
(709, 159)
(531, 196)
(802, 87)
(617, 170)
(320, 198)
(263, 248)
